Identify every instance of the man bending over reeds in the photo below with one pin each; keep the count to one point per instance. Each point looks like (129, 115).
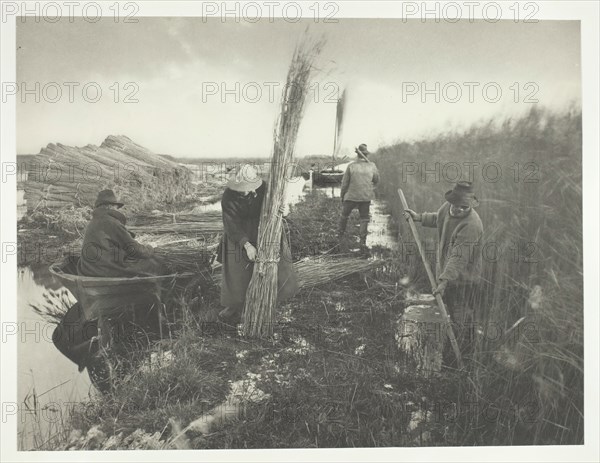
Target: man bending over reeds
(459, 258)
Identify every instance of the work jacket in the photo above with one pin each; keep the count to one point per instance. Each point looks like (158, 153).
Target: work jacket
(358, 183)
(459, 256)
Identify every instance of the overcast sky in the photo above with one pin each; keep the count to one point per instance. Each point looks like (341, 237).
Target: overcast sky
(172, 60)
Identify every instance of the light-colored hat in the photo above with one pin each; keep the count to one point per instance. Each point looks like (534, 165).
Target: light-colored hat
(244, 178)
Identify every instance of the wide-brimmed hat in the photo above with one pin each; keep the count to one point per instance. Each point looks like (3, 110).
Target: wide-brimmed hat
(244, 178)
(363, 150)
(107, 197)
(462, 195)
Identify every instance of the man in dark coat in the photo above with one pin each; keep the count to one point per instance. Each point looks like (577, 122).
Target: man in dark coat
(358, 185)
(109, 249)
(459, 253)
(241, 205)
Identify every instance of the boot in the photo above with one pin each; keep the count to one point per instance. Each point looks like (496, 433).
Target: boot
(230, 316)
(342, 227)
(364, 230)
(364, 226)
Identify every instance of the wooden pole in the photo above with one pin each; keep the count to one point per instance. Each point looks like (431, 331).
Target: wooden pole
(357, 151)
(438, 298)
(335, 141)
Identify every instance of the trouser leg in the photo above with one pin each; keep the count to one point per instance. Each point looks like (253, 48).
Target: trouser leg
(347, 207)
(364, 230)
(363, 210)
(342, 226)
(460, 301)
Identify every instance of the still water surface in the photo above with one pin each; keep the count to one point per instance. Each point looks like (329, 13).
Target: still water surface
(46, 380)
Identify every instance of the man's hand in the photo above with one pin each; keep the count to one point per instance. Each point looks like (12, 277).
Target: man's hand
(250, 251)
(441, 287)
(410, 213)
(284, 210)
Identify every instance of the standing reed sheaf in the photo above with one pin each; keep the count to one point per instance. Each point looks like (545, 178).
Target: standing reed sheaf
(261, 295)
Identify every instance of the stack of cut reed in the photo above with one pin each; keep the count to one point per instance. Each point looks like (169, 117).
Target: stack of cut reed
(163, 223)
(261, 296)
(61, 175)
(178, 256)
(185, 257)
(184, 228)
(314, 272)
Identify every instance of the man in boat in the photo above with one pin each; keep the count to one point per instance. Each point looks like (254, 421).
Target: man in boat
(358, 189)
(242, 205)
(459, 257)
(109, 249)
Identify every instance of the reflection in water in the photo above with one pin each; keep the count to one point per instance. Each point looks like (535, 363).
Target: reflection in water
(47, 382)
(379, 227)
(21, 204)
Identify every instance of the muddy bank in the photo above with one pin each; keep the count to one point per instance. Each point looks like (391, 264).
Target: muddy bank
(209, 371)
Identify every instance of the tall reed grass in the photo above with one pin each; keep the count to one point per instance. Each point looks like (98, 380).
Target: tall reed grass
(528, 176)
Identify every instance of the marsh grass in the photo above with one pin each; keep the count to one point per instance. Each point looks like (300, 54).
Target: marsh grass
(330, 370)
(532, 215)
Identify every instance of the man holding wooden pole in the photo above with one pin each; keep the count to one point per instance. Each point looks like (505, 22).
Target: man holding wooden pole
(459, 257)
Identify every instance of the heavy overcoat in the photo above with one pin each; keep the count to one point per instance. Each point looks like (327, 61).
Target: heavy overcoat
(110, 250)
(459, 253)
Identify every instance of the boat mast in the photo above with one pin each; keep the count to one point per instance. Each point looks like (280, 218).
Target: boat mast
(335, 134)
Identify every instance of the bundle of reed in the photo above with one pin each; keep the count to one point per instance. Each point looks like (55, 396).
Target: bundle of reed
(177, 255)
(181, 258)
(317, 271)
(62, 175)
(163, 218)
(339, 125)
(261, 295)
(209, 227)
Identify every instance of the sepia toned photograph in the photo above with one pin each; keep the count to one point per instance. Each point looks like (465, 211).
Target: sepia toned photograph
(289, 225)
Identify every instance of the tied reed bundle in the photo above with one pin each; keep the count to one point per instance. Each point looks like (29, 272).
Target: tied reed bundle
(339, 125)
(261, 295)
(177, 255)
(321, 270)
(182, 258)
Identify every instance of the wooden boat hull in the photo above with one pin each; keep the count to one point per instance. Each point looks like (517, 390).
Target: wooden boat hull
(100, 296)
(328, 177)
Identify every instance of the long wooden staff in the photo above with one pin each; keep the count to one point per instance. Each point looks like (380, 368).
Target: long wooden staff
(359, 152)
(438, 297)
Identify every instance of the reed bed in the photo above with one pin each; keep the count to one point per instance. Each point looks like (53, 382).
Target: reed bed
(533, 265)
(261, 296)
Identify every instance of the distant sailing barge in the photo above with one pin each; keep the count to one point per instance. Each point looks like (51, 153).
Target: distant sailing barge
(334, 174)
